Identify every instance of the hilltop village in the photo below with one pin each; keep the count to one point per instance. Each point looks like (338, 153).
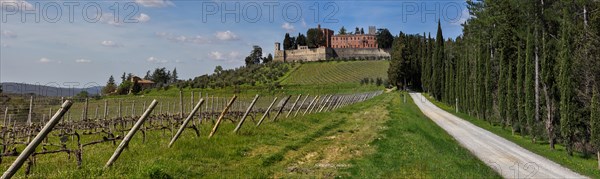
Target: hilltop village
(322, 44)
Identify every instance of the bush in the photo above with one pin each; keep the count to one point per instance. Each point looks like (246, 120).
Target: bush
(124, 88)
(379, 81)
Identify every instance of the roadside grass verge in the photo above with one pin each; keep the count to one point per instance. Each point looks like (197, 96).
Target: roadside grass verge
(412, 146)
(578, 162)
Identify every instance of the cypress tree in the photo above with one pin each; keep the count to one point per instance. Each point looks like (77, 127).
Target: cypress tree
(595, 123)
(529, 91)
(502, 91)
(449, 77)
(438, 64)
(568, 119)
(481, 90)
(510, 98)
(520, 95)
(488, 87)
(424, 64)
(430, 51)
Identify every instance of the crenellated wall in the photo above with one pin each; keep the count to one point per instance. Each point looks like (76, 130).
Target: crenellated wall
(360, 53)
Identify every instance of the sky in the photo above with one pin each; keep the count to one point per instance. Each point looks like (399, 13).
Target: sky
(81, 43)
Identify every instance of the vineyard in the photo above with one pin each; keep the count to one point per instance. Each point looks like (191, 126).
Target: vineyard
(82, 126)
(337, 72)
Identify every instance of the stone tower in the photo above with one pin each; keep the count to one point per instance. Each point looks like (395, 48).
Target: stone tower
(372, 30)
(279, 54)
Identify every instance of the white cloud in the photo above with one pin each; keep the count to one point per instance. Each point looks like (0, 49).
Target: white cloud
(83, 61)
(143, 18)
(162, 34)
(47, 60)
(183, 39)
(234, 55)
(288, 27)
(156, 60)
(110, 19)
(8, 34)
(155, 3)
(304, 23)
(216, 55)
(226, 35)
(10, 5)
(229, 57)
(109, 43)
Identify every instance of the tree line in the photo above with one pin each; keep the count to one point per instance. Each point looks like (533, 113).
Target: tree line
(532, 67)
(265, 74)
(258, 70)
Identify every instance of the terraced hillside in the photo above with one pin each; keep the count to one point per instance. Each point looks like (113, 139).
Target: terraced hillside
(336, 72)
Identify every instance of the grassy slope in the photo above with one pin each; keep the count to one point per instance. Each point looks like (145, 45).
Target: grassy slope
(413, 146)
(336, 72)
(377, 138)
(578, 163)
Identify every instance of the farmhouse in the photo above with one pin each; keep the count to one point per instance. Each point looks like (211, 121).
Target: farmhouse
(145, 84)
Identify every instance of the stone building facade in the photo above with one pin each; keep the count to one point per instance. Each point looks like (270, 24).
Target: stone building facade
(354, 41)
(368, 40)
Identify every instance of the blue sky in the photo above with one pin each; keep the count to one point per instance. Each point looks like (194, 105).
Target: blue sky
(85, 42)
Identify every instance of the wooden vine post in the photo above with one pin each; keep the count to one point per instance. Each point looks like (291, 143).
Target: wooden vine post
(30, 111)
(130, 134)
(282, 107)
(85, 110)
(301, 104)
(214, 130)
(5, 115)
(326, 102)
(37, 140)
(237, 128)
(266, 112)
(181, 104)
(185, 122)
(293, 106)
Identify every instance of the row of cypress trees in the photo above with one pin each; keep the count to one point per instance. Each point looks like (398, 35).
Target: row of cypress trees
(532, 67)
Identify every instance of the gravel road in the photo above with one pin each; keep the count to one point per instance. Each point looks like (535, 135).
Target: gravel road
(507, 158)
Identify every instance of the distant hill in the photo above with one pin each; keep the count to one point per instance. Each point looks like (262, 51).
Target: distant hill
(22, 88)
(337, 72)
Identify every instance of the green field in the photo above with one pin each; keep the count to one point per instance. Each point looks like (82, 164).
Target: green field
(336, 72)
(379, 138)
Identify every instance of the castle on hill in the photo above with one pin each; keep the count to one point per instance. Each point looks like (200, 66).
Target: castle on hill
(340, 46)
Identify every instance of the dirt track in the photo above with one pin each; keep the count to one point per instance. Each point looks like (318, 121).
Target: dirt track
(507, 158)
